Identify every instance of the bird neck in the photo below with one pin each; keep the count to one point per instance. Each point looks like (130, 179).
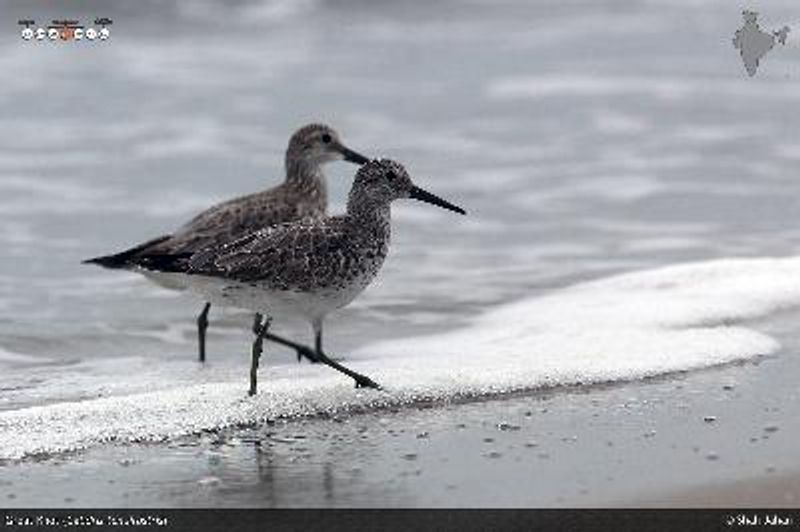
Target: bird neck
(306, 178)
(369, 214)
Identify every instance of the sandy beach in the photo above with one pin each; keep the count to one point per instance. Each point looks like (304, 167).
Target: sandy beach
(766, 491)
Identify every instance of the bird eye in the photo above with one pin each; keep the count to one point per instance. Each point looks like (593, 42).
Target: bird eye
(326, 138)
(391, 175)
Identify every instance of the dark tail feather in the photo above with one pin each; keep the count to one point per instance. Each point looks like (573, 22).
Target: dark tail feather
(123, 259)
(165, 262)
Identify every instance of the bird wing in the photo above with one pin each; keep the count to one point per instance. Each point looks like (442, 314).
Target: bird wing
(239, 216)
(285, 257)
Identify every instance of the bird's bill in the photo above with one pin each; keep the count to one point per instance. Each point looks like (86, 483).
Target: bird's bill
(352, 156)
(423, 195)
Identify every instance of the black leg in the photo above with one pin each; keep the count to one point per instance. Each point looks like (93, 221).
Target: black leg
(202, 325)
(362, 381)
(260, 328)
(302, 350)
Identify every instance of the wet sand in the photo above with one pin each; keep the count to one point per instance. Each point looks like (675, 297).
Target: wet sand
(767, 491)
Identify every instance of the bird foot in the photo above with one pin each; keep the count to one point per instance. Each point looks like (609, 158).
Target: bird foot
(366, 382)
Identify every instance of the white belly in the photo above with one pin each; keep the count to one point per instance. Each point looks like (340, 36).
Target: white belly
(168, 280)
(308, 305)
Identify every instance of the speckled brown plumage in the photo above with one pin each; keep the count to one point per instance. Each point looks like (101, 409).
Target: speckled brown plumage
(304, 257)
(231, 219)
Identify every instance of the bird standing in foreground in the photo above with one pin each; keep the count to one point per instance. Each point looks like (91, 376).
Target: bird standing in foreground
(307, 268)
(303, 194)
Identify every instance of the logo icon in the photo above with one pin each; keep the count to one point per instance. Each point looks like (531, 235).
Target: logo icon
(66, 30)
(27, 32)
(753, 42)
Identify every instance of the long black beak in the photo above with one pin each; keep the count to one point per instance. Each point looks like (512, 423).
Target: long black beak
(352, 156)
(423, 195)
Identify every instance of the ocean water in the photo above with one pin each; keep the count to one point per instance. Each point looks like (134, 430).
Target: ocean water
(586, 140)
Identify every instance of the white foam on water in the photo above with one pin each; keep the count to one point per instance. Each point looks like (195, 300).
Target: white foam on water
(616, 329)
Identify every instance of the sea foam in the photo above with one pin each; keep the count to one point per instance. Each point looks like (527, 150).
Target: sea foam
(620, 328)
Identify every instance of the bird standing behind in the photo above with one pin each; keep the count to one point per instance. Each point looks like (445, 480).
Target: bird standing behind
(303, 194)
